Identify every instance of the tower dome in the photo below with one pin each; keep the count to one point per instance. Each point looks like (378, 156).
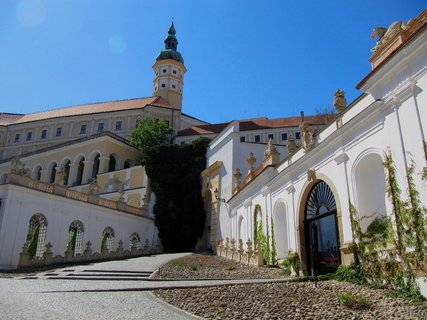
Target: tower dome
(171, 45)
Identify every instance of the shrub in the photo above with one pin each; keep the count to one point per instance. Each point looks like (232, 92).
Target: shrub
(290, 263)
(354, 301)
(231, 266)
(352, 273)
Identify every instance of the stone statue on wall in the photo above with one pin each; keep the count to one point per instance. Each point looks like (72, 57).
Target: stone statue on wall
(59, 176)
(340, 102)
(251, 161)
(94, 187)
(291, 144)
(311, 175)
(237, 177)
(307, 135)
(270, 148)
(383, 34)
(18, 167)
(378, 32)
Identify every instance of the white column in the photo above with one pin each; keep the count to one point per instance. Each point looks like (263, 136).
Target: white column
(72, 175)
(45, 175)
(87, 171)
(103, 164)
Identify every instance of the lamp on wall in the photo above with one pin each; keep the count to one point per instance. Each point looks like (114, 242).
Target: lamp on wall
(216, 192)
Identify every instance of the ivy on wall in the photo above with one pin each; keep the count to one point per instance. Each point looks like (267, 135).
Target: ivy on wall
(424, 174)
(32, 245)
(269, 254)
(393, 256)
(174, 172)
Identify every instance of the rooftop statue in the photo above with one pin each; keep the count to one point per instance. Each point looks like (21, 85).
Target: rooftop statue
(340, 102)
(18, 167)
(307, 135)
(384, 34)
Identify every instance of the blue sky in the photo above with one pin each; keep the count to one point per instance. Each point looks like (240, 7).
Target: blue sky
(245, 58)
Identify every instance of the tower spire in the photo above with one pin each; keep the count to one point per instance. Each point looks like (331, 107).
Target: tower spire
(169, 70)
(171, 42)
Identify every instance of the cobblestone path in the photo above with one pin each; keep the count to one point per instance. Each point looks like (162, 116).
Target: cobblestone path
(53, 295)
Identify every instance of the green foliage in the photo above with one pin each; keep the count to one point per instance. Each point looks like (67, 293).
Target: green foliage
(383, 264)
(354, 301)
(262, 241)
(415, 222)
(72, 242)
(104, 241)
(269, 254)
(174, 173)
(149, 133)
(273, 245)
(409, 290)
(231, 266)
(424, 173)
(32, 245)
(290, 263)
(352, 273)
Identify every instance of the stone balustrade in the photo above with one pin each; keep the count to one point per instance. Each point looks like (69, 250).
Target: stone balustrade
(72, 194)
(25, 261)
(248, 256)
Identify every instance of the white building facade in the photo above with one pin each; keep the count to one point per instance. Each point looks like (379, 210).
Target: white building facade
(305, 198)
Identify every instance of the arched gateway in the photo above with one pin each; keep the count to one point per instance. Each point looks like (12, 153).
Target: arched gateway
(321, 230)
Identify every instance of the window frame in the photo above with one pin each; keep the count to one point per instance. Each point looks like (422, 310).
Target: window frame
(83, 128)
(101, 127)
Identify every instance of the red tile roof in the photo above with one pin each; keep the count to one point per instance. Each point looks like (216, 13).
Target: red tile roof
(203, 129)
(255, 124)
(265, 123)
(99, 107)
(8, 118)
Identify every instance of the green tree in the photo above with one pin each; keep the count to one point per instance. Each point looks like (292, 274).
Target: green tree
(174, 172)
(150, 132)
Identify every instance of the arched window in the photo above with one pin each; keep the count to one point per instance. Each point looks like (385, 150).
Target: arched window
(53, 174)
(240, 232)
(95, 168)
(36, 235)
(107, 241)
(371, 188)
(75, 237)
(281, 230)
(112, 163)
(37, 173)
(321, 230)
(80, 171)
(66, 167)
(127, 164)
(135, 241)
(3, 178)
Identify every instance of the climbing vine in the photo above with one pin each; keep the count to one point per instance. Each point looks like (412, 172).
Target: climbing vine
(389, 256)
(32, 245)
(273, 245)
(72, 242)
(267, 244)
(424, 174)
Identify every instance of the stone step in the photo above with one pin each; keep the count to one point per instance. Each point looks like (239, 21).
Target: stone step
(92, 274)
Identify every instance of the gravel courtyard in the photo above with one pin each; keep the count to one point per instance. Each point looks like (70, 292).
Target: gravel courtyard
(284, 300)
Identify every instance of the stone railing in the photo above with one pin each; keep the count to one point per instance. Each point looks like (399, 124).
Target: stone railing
(26, 261)
(75, 195)
(248, 256)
